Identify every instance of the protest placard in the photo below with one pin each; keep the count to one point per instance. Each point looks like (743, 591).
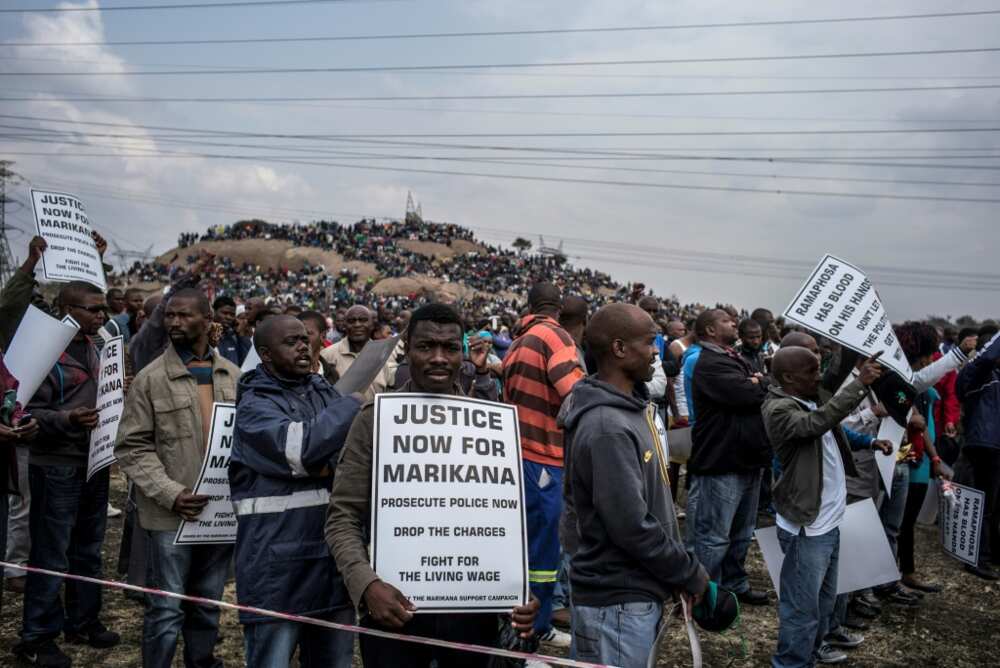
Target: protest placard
(217, 522)
(892, 431)
(962, 522)
(110, 404)
(251, 361)
(37, 345)
(865, 560)
(838, 301)
(71, 255)
(448, 526)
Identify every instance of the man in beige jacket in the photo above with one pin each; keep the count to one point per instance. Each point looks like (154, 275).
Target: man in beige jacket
(160, 447)
(360, 325)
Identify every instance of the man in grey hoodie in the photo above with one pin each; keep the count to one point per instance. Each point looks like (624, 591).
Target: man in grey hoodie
(631, 557)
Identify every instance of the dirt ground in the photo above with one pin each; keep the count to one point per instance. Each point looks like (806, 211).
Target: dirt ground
(958, 627)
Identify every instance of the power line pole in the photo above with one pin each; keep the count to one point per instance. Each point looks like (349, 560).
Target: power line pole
(7, 267)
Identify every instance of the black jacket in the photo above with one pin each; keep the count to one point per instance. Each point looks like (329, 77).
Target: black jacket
(630, 547)
(728, 436)
(978, 388)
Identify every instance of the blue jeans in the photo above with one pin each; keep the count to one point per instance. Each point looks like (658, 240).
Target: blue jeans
(892, 508)
(195, 570)
(542, 507)
(722, 521)
(618, 635)
(67, 520)
(271, 645)
(808, 592)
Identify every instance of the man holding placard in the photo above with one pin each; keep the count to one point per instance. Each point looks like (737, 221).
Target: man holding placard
(290, 427)
(160, 446)
(810, 497)
(434, 351)
(65, 408)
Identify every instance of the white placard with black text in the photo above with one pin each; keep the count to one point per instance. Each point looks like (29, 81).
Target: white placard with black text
(217, 523)
(962, 523)
(838, 301)
(110, 404)
(71, 255)
(448, 524)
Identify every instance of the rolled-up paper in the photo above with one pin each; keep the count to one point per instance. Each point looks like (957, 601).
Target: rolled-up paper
(37, 344)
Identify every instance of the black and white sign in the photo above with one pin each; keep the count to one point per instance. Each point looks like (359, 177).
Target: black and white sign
(838, 301)
(61, 219)
(448, 526)
(962, 522)
(217, 522)
(110, 404)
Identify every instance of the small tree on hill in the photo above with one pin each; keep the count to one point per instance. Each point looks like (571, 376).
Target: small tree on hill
(521, 244)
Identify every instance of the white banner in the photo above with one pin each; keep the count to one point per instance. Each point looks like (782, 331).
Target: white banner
(110, 404)
(839, 302)
(448, 526)
(251, 361)
(962, 522)
(61, 219)
(865, 558)
(217, 522)
(38, 343)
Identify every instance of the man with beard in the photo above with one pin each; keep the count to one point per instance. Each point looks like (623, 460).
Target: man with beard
(160, 447)
(360, 327)
(434, 351)
(68, 513)
(729, 450)
(290, 428)
(751, 345)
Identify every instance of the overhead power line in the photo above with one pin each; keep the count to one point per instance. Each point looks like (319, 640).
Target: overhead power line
(297, 160)
(446, 35)
(493, 66)
(182, 5)
(506, 96)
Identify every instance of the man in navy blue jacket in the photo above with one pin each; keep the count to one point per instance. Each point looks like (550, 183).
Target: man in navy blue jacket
(978, 388)
(290, 428)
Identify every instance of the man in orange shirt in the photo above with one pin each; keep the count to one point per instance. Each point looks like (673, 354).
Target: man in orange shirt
(539, 371)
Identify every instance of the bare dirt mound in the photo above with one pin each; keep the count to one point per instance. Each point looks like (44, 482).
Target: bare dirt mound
(421, 284)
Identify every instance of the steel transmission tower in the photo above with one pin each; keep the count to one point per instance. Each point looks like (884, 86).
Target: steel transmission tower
(8, 179)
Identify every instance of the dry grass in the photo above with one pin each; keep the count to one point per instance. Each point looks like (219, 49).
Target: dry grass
(957, 628)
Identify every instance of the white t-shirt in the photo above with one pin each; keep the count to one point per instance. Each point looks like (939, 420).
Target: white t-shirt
(833, 498)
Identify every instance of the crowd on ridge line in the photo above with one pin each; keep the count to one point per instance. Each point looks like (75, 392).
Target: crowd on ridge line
(495, 275)
(600, 396)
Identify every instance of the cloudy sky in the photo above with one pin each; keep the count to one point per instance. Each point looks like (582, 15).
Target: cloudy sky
(676, 210)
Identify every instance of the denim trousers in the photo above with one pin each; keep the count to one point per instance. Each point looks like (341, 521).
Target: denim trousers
(892, 507)
(808, 591)
(195, 570)
(721, 521)
(271, 645)
(18, 517)
(67, 519)
(618, 635)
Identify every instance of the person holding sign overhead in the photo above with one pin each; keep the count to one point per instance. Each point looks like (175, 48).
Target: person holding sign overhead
(160, 446)
(64, 408)
(434, 352)
(810, 497)
(290, 427)
(631, 557)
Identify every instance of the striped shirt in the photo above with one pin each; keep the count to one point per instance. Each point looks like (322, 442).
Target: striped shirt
(539, 370)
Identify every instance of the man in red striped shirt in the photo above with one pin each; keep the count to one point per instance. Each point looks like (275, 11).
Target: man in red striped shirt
(539, 370)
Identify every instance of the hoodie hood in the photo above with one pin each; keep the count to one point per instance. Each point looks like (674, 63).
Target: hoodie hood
(593, 393)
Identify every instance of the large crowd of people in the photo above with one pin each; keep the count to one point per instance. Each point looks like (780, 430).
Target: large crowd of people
(783, 428)
(499, 277)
